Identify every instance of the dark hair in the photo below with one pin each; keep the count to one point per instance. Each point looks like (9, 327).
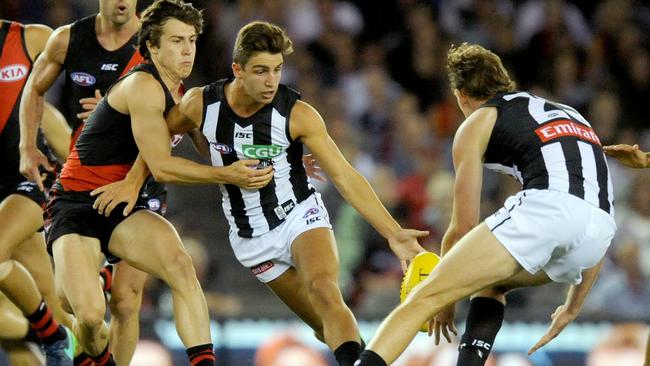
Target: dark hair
(477, 72)
(260, 36)
(156, 15)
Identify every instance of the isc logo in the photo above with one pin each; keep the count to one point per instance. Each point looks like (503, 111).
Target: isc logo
(109, 67)
(13, 72)
(243, 135)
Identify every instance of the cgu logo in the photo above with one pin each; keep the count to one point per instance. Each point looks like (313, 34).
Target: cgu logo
(261, 151)
(83, 79)
(13, 72)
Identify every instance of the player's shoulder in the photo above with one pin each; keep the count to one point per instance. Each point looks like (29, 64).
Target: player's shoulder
(142, 80)
(192, 100)
(37, 30)
(36, 36)
(60, 39)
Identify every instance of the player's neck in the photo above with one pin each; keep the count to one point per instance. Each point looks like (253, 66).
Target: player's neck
(171, 80)
(239, 101)
(473, 105)
(113, 36)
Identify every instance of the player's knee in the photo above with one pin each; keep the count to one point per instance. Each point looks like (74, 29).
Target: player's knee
(324, 290)
(179, 268)
(90, 314)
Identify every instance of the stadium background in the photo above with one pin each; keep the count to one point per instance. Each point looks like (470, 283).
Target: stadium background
(375, 69)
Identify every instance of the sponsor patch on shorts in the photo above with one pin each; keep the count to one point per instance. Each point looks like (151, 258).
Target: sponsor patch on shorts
(262, 267)
(311, 212)
(154, 204)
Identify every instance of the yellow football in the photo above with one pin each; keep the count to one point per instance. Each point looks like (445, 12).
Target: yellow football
(418, 270)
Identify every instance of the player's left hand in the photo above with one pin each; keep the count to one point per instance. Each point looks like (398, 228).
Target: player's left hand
(405, 245)
(89, 104)
(312, 168)
(113, 194)
(443, 322)
(629, 155)
(561, 318)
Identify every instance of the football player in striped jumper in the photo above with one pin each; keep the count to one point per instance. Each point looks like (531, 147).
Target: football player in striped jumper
(282, 231)
(557, 228)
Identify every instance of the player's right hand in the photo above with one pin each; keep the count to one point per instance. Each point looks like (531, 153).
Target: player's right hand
(244, 174)
(112, 194)
(31, 161)
(405, 245)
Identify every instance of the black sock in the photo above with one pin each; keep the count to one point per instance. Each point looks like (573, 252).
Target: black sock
(202, 355)
(82, 359)
(347, 353)
(370, 358)
(47, 329)
(31, 336)
(105, 358)
(484, 320)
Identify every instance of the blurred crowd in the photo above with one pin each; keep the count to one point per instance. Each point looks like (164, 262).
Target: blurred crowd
(375, 70)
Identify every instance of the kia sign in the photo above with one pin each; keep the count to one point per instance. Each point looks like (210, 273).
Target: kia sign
(13, 72)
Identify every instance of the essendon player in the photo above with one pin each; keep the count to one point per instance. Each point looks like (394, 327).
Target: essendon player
(21, 202)
(557, 228)
(129, 120)
(93, 52)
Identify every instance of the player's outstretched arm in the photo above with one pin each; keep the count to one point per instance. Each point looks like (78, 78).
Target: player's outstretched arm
(629, 155)
(567, 312)
(152, 136)
(308, 126)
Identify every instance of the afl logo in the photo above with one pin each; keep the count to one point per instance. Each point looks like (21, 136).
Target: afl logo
(13, 72)
(222, 148)
(83, 79)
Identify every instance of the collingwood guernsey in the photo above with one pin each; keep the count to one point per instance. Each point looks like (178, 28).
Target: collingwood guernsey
(264, 136)
(548, 145)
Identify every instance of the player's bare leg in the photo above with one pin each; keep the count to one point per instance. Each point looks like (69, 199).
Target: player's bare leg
(77, 259)
(20, 218)
(32, 253)
(14, 325)
(159, 251)
(317, 263)
(125, 302)
(316, 259)
(477, 261)
(290, 289)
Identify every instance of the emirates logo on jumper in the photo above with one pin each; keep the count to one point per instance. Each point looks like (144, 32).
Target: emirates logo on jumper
(561, 128)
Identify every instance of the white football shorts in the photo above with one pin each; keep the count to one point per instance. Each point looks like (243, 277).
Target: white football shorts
(269, 255)
(553, 231)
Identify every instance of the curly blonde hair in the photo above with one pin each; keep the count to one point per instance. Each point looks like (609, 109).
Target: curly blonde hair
(477, 72)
